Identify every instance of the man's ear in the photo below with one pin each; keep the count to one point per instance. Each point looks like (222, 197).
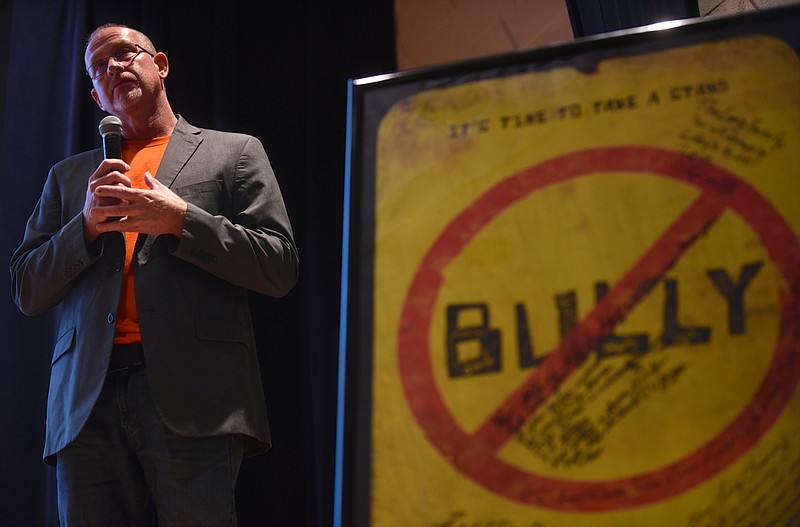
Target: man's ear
(162, 62)
(97, 99)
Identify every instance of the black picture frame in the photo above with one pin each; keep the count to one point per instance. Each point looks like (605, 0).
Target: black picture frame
(368, 101)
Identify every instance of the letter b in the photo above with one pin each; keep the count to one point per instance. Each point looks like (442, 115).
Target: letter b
(472, 349)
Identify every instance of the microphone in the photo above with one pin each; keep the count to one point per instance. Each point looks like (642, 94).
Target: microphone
(111, 131)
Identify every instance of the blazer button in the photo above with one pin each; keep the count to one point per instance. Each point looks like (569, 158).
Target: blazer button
(117, 267)
(110, 318)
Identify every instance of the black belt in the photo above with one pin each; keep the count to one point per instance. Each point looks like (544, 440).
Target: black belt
(126, 356)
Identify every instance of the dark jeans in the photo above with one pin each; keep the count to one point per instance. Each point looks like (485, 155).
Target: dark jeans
(125, 455)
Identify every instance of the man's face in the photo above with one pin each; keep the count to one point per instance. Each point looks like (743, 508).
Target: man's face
(122, 88)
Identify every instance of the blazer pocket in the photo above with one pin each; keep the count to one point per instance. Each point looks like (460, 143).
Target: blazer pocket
(63, 344)
(220, 330)
(205, 194)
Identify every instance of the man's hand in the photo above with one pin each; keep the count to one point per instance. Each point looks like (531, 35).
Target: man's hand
(155, 210)
(95, 208)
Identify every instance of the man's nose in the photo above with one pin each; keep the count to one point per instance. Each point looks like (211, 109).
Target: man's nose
(114, 66)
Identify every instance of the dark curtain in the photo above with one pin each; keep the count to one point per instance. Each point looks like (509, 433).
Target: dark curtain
(592, 17)
(277, 70)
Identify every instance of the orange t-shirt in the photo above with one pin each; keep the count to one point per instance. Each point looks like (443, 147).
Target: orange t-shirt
(142, 156)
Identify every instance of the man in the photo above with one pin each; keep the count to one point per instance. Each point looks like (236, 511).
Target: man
(154, 387)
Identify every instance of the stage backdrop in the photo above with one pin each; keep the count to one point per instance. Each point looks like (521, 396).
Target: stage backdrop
(571, 285)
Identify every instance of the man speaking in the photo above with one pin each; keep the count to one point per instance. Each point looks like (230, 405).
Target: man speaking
(155, 390)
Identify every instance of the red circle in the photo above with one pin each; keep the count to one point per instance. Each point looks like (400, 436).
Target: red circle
(475, 455)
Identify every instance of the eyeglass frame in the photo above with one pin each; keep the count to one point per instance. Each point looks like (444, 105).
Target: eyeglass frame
(121, 62)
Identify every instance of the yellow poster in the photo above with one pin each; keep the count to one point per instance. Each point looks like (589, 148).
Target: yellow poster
(587, 294)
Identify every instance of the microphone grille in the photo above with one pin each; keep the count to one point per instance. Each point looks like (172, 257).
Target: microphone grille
(110, 124)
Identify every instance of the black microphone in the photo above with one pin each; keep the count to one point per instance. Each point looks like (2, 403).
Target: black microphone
(111, 130)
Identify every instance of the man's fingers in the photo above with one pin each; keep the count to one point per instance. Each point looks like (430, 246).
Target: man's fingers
(117, 191)
(150, 180)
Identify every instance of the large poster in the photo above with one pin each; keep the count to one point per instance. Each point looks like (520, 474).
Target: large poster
(580, 291)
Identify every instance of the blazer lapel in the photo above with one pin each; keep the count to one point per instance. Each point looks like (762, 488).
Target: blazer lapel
(181, 147)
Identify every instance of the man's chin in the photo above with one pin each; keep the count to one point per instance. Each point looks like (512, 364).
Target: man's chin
(125, 100)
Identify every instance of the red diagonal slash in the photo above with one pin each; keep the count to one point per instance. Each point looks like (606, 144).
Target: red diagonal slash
(575, 348)
(475, 454)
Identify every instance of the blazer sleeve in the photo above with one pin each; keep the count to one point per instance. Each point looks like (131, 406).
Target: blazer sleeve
(252, 244)
(52, 254)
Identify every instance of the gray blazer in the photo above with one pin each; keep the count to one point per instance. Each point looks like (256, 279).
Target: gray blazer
(191, 293)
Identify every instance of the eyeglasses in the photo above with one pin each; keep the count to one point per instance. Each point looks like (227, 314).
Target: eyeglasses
(123, 56)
